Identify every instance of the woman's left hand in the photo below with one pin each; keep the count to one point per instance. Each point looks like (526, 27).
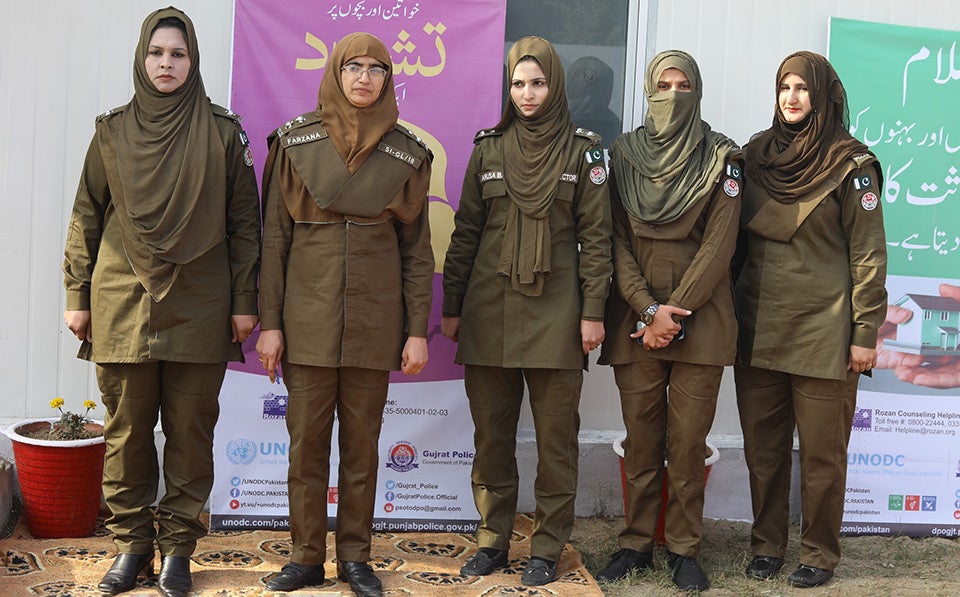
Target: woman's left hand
(243, 326)
(414, 356)
(591, 334)
(862, 359)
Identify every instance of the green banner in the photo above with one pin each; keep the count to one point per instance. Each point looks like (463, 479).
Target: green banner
(903, 85)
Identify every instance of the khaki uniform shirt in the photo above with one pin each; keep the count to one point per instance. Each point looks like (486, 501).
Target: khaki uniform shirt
(499, 326)
(192, 323)
(813, 276)
(345, 290)
(684, 263)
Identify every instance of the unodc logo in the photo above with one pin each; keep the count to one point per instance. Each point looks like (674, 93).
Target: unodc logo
(403, 457)
(241, 451)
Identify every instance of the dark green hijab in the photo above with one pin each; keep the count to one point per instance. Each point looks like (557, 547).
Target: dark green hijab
(536, 149)
(170, 168)
(666, 166)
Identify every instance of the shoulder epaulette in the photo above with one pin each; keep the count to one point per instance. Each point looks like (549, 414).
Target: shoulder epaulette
(483, 134)
(225, 113)
(592, 136)
(298, 122)
(112, 111)
(862, 158)
(413, 137)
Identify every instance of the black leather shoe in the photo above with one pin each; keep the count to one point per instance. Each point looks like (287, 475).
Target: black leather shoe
(484, 562)
(764, 567)
(295, 576)
(687, 573)
(624, 562)
(175, 578)
(123, 574)
(806, 577)
(361, 578)
(539, 572)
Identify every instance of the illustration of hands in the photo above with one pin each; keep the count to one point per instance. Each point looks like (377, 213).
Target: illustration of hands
(933, 371)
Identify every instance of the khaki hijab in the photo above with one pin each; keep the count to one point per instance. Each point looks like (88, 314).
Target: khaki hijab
(791, 160)
(356, 132)
(170, 169)
(666, 166)
(536, 149)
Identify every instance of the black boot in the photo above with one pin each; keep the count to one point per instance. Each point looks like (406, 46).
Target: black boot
(126, 569)
(361, 578)
(175, 578)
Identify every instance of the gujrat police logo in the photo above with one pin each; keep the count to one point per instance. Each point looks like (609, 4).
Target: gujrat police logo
(598, 174)
(731, 188)
(403, 457)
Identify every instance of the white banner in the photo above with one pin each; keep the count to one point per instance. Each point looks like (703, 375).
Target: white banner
(426, 449)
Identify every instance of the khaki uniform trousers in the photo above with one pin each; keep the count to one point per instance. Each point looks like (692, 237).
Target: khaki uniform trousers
(649, 413)
(771, 403)
(495, 396)
(358, 397)
(184, 395)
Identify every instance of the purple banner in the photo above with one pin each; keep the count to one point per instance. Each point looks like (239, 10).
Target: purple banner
(448, 71)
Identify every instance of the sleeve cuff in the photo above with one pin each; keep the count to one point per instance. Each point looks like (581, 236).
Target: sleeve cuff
(593, 308)
(271, 321)
(78, 300)
(864, 338)
(244, 304)
(452, 305)
(417, 327)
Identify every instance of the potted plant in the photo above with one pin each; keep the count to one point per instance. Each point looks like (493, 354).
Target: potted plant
(59, 464)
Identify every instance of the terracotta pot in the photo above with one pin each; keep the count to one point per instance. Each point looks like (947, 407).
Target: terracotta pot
(658, 533)
(60, 481)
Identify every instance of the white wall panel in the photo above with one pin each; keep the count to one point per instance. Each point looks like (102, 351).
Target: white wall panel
(62, 62)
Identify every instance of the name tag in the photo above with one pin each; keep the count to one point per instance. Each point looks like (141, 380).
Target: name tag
(400, 155)
(300, 139)
(490, 175)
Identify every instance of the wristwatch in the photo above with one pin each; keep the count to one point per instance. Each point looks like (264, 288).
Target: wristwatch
(646, 316)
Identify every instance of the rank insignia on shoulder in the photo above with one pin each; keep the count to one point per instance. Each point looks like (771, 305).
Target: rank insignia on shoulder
(598, 175)
(862, 182)
(484, 133)
(731, 187)
(247, 156)
(594, 155)
(733, 171)
(869, 201)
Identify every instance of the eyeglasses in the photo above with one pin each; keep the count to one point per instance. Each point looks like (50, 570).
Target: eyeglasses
(375, 73)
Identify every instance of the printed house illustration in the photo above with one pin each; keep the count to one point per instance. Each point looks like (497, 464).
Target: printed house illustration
(934, 328)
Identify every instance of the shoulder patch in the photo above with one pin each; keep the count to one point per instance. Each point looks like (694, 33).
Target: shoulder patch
(598, 175)
(862, 182)
(594, 154)
(862, 158)
(731, 187)
(733, 171)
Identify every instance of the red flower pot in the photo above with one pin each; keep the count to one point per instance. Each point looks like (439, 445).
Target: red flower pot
(60, 481)
(658, 534)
